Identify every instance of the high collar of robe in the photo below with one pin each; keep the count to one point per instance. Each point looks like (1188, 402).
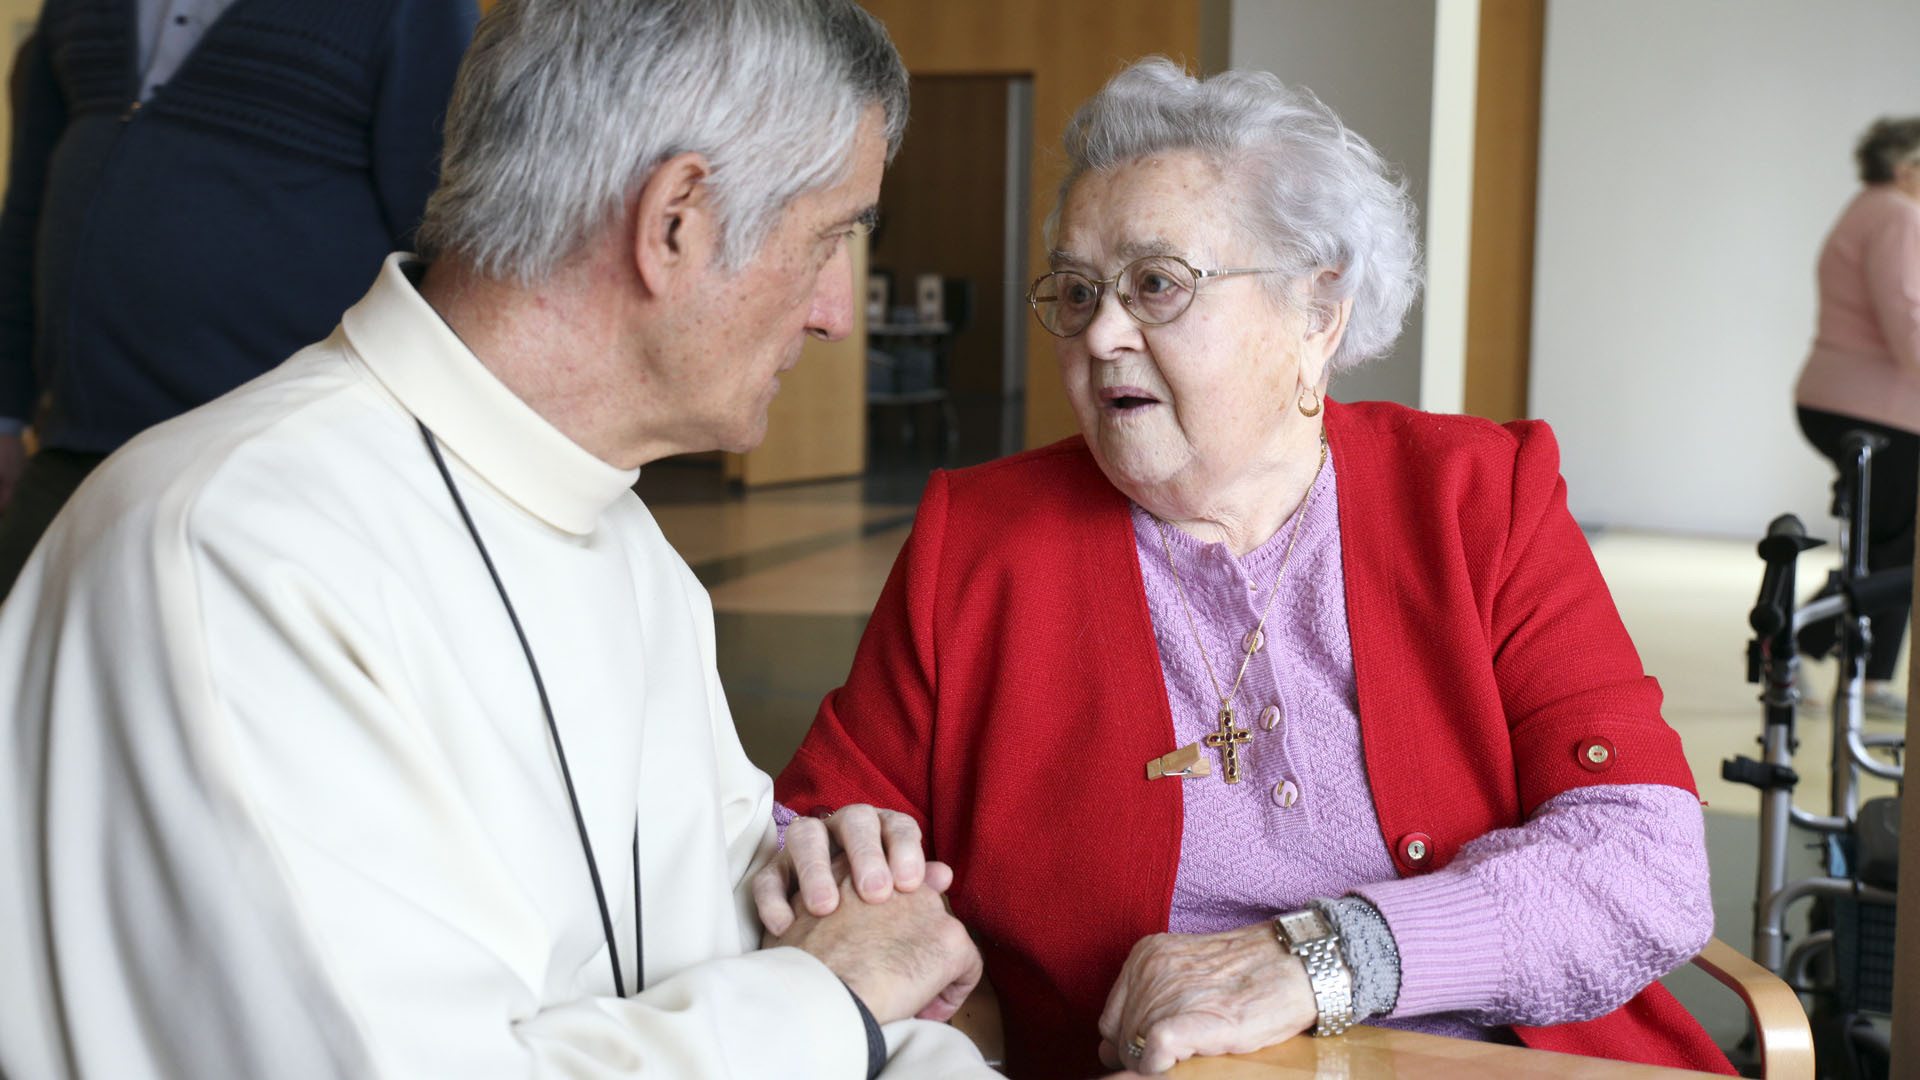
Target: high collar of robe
(422, 363)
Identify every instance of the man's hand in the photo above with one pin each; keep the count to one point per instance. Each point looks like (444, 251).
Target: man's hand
(13, 462)
(907, 957)
(1187, 994)
(881, 850)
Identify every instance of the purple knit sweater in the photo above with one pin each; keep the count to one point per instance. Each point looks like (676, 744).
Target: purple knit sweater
(1558, 920)
(1561, 919)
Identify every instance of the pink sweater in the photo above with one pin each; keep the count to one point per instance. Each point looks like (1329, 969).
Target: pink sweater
(1866, 353)
(1562, 919)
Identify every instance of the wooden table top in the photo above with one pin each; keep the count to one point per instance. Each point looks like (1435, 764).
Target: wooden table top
(1369, 1052)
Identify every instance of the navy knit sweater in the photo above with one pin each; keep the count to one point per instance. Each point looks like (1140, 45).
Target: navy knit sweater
(155, 257)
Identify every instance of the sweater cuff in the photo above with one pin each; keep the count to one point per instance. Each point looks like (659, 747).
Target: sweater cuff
(782, 817)
(1452, 955)
(876, 1041)
(1366, 943)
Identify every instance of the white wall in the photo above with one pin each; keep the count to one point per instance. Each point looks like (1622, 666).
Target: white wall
(1693, 156)
(1371, 61)
(1449, 211)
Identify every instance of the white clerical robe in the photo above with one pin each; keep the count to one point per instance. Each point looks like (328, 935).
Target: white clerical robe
(277, 797)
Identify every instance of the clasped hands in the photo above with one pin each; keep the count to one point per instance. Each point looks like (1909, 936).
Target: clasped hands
(857, 892)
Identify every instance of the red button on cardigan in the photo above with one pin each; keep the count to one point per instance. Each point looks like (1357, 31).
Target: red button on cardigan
(1414, 851)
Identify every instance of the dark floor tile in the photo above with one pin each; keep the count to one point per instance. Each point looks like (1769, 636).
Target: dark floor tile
(694, 478)
(775, 669)
(1733, 854)
(715, 572)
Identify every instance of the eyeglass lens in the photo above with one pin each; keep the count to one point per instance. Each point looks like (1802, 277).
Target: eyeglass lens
(1154, 290)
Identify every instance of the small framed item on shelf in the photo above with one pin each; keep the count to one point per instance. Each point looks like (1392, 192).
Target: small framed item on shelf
(929, 298)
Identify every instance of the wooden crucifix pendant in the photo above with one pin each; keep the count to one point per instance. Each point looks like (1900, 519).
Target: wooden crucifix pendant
(1228, 740)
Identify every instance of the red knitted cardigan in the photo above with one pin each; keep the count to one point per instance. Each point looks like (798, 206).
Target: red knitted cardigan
(1008, 694)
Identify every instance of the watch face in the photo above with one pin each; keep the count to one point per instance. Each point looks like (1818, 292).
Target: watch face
(1303, 925)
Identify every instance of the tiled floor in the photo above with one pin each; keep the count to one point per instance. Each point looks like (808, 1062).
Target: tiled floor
(793, 572)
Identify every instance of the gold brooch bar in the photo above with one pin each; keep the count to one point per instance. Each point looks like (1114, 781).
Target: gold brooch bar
(1184, 762)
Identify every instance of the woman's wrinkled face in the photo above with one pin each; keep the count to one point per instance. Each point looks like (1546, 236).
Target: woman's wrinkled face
(1174, 412)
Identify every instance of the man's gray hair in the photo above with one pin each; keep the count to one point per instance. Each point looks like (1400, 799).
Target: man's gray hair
(1313, 195)
(563, 108)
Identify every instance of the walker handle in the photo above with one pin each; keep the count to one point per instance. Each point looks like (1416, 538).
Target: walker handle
(1786, 538)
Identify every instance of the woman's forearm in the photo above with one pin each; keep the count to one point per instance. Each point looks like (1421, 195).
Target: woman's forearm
(1562, 919)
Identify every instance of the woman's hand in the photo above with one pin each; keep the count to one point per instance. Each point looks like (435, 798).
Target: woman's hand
(1187, 994)
(881, 849)
(906, 957)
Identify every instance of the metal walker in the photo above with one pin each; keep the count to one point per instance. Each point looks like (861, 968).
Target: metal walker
(1844, 965)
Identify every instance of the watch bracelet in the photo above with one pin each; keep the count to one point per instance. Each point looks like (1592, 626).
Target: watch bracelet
(1370, 951)
(1324, 963)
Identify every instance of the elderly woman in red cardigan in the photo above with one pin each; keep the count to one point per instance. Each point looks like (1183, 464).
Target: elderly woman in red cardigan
(1246, 712)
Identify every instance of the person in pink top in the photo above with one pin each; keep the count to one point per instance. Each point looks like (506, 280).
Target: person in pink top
(1864, 370)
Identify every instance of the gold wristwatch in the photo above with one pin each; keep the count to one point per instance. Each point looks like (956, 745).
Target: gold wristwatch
(1308, 935)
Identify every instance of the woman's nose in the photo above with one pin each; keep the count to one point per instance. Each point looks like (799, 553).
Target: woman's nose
(1111, 327)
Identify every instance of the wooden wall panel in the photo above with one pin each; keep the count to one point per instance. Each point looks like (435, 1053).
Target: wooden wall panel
(1506, 165)
(17, 19)
(1070, 50)
(1905, 1059)
(944, 208)
(817, 424)
(1906, 931)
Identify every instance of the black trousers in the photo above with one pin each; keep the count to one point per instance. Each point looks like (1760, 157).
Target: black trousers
(1890, 514)
(50, 478)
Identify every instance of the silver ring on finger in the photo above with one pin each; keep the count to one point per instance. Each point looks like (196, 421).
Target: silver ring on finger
(1137, 1048)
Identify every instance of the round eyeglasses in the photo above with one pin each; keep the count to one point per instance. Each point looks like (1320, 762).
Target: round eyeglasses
(1154, 290)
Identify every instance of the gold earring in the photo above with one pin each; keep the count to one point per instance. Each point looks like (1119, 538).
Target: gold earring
(1304, 409)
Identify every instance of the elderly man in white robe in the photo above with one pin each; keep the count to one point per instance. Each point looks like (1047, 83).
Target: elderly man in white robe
(362, 723)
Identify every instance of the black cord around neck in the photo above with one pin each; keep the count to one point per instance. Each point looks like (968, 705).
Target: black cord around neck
(559, 750)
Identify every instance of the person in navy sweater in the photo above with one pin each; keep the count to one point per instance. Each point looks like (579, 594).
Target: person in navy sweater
(197, 188)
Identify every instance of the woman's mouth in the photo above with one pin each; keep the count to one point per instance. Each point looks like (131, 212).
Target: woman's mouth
(1126, 398)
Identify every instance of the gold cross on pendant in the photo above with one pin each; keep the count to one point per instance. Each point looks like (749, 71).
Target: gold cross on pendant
(1228, 740)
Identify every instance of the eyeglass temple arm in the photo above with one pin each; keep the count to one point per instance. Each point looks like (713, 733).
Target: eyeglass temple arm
(1233, 270)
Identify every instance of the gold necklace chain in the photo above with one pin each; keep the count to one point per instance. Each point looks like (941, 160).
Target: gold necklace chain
(1226, 699)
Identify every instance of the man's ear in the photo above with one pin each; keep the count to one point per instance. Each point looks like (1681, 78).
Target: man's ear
(674, 225)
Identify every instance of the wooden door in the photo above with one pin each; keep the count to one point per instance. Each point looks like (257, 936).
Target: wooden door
(817, 425)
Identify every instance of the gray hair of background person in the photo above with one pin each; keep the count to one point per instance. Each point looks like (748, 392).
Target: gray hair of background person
(1315, 195)
(563, 108)
(1888, 143)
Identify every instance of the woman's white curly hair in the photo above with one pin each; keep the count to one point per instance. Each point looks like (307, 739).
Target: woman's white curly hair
(1316, 196)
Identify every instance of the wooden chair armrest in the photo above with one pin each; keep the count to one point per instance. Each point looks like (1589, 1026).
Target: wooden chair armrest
(1779, 1020)
(1786, 1039)
(979, 1020)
